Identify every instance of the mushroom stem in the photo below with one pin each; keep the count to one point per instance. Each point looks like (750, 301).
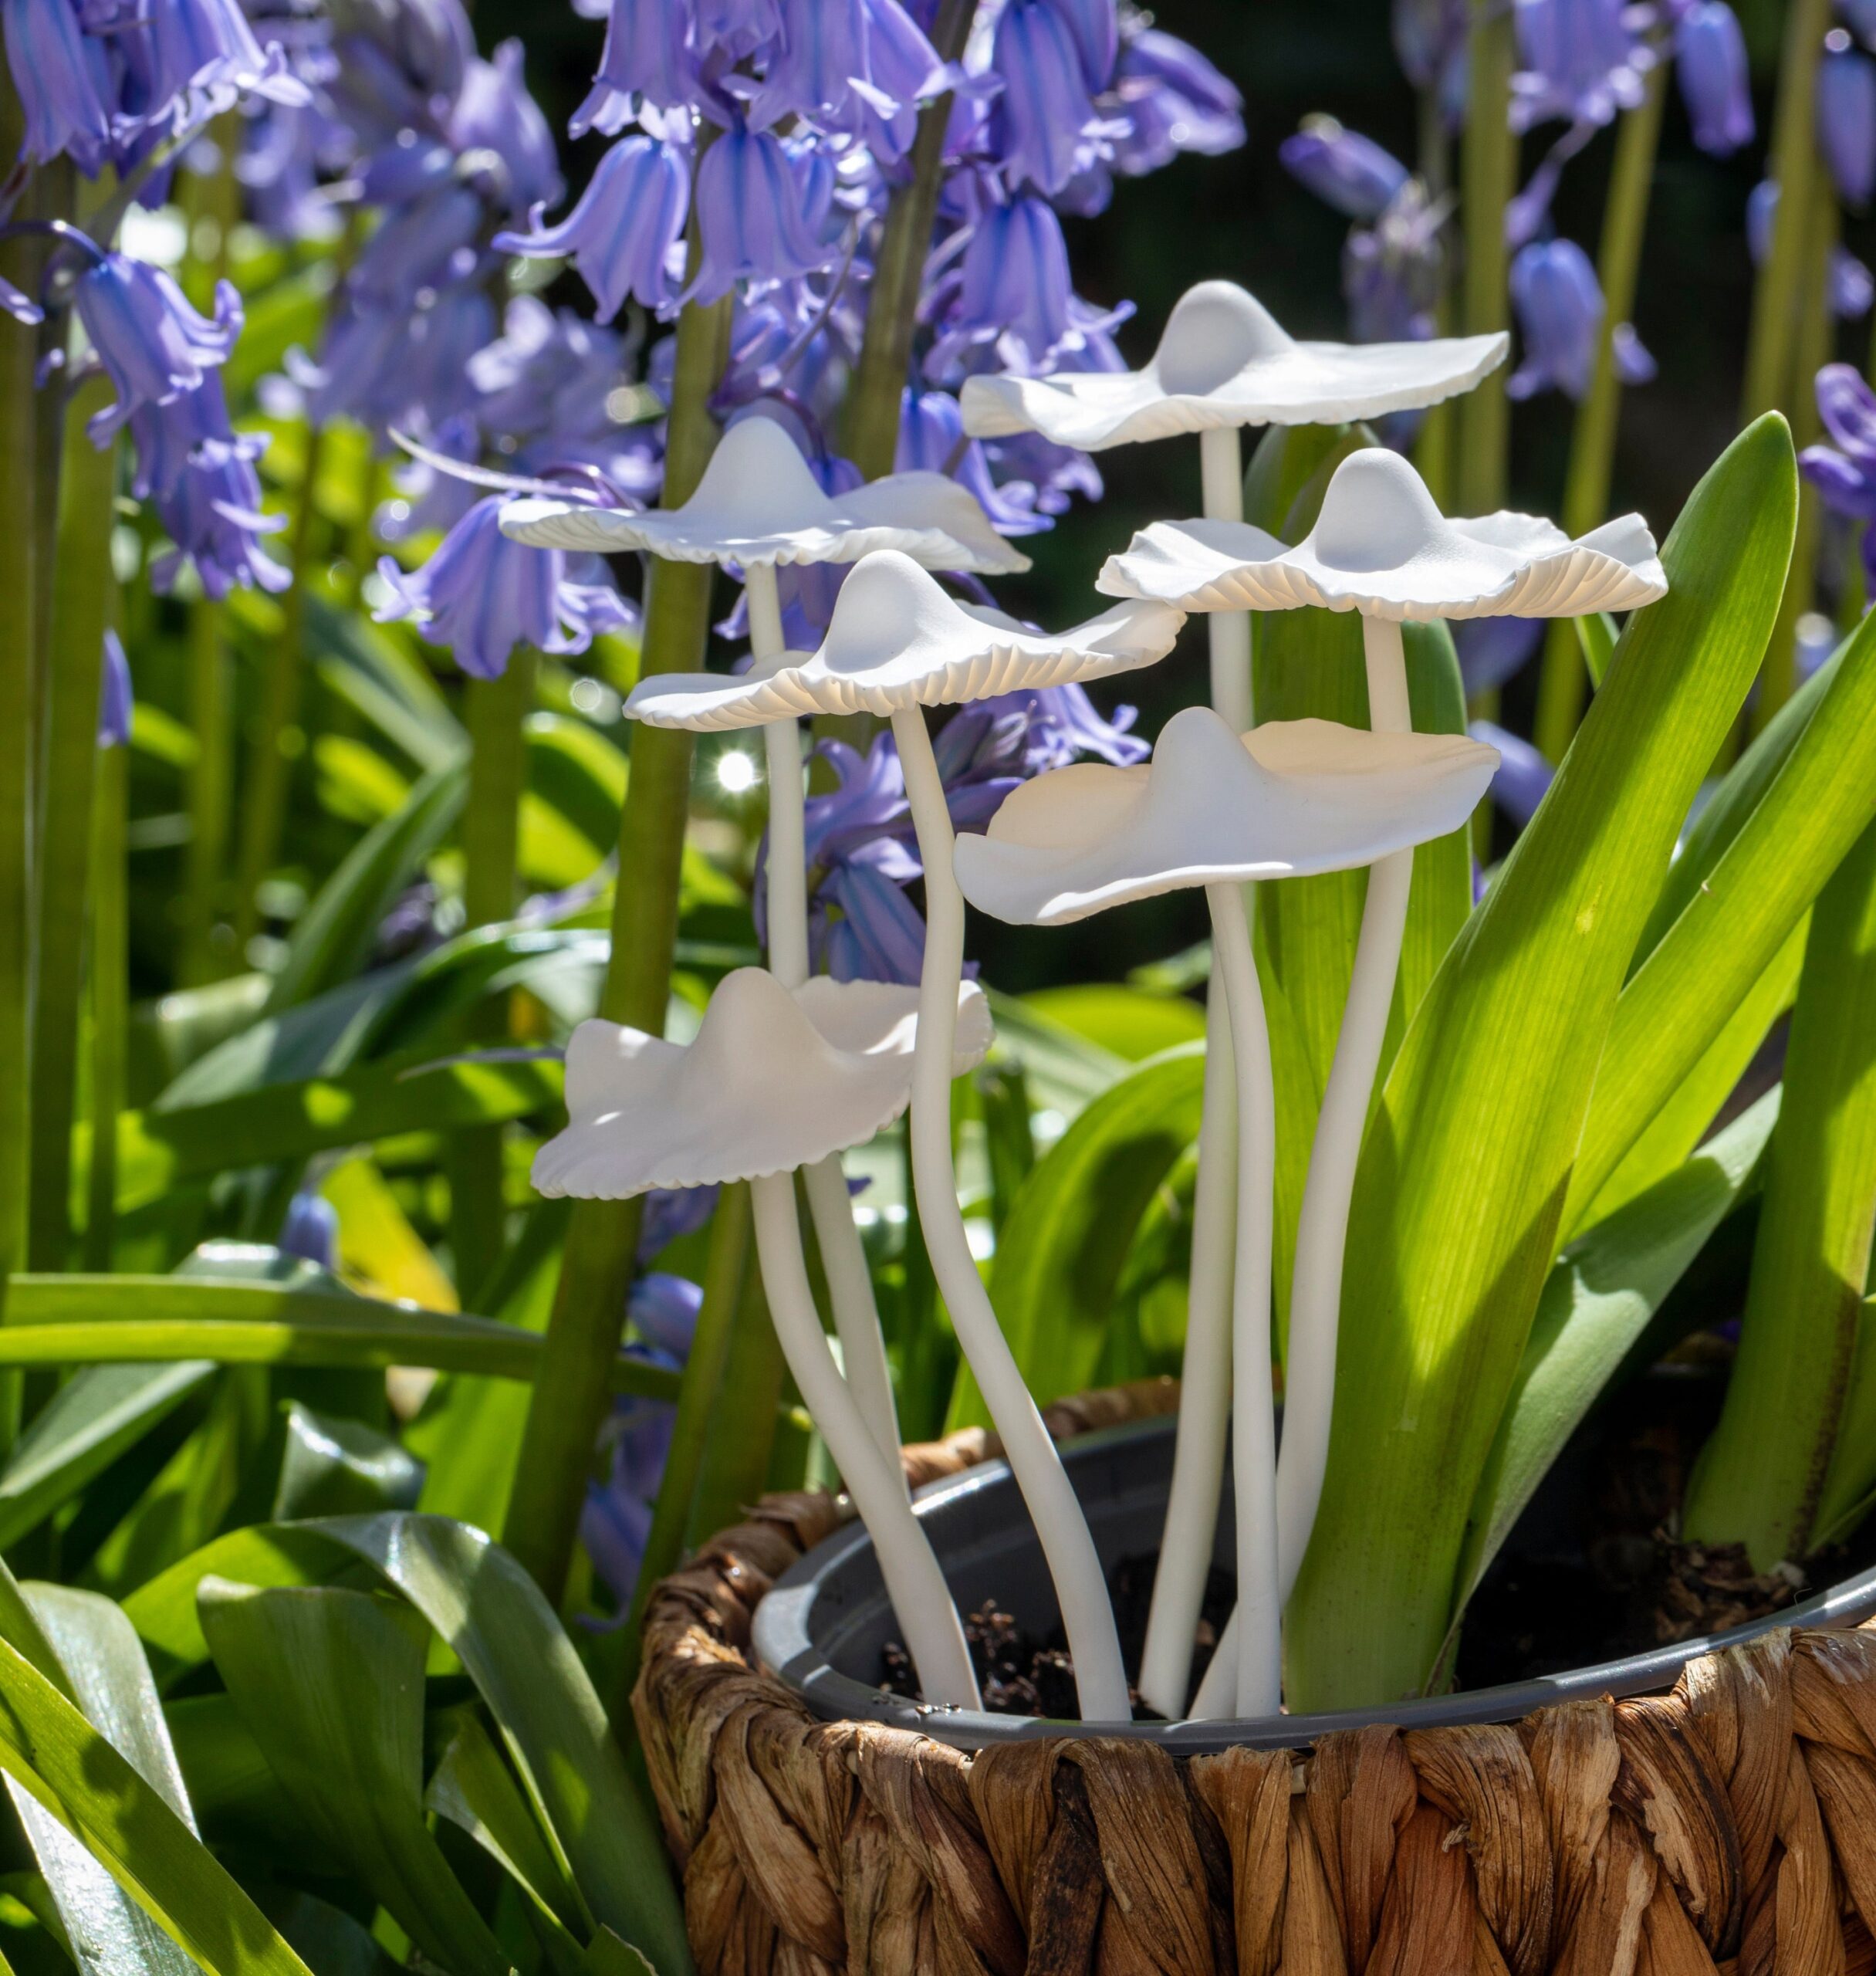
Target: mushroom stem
(1322, 1232)
(1081, 1590)
(921, 1599)
(1205, 1388)
(849, 1282)
(1222, 474)
(1260, 1657)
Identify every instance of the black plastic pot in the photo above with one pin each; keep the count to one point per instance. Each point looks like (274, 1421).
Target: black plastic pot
(822, 1628)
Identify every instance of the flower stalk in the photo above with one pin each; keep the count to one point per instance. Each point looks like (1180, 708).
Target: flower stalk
(1488, 169)
(109, 972)
(1561, 694)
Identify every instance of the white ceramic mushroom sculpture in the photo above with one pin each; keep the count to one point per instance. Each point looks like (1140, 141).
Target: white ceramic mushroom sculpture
(1218, 809)
(1381, 547)
(777, 1079)
(898, 644)
(758, 506)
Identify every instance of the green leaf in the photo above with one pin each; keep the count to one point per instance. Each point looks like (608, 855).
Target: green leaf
(574, 769)
(1759, 1479)
(330, 1940)
(1072, 1223)
(1468, 1157)
(337, 1467)
(1286, 459)
(1595, 633)
(60, 1320)
(130, 1828)
(1128, 1021)
(1783, 827)
(1063, 1071)
(1440, 901)
(1596, 1302)
(91, 1420)
(331, 1682)
(361, 665)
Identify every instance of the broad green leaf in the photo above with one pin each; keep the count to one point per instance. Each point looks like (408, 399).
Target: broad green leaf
(340, 1467)
(1760, 1478)
(1064, 1070)
(378, 1248)
(98, 1649)
(1679, 1126)
(129, 1828)
(492, 1615)
(171, 1033)
(372, 673)
(1286, 459)
(1850, 1485)
(1440, 901)
(1596, 1302)
(1596, 634)
(331, 1682)
(1072, 1223)
(98, 1412)
(1458, 1196)
(577, 772)
(329, 1939)
(335, 933)
(1755, 869)
(57, 1320)
(1128, 1022)
(356, 783)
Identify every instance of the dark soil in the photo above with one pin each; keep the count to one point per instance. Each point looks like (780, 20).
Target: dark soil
(1595, 1570)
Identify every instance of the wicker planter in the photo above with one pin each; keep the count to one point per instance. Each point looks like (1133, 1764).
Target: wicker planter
(1729, 1824)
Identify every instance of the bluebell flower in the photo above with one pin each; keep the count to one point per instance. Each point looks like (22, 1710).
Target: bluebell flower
(1342, 168)
(1582, 61)
(310, 1230)
(213, 515)
(389, 365)
(202, 57)
(1845, 472)
(481, 595)
(1847, 117)
(1014, 285)
(853, 66)
(1429, 40)
(902, 71)
(429, 241)
(1096, 26)
(758, 211)
(1716, 80)
(192, 430)
(644, 61)
(931, 438)
(1523, 777)
(1560, 308)
(1861, 15)
(621, 234)
(1170, 99)
(494, 113)
(1393, 270)
(115, 701)
(63, 80)
(1045, 476)
(1038, 119)
(1492, 650)
(735, 28)
(154, 345)
(669, 1214)
(1852, 286)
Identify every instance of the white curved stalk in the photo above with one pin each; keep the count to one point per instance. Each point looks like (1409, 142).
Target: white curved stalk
(849, 1282)
(1081, 1590)
(1204, 1388)
(921, 1599)
(1259, 1655)
(1321, 1231)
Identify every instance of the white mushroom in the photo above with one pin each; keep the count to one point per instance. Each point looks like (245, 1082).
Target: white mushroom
(777, 1079)
(757, 505)
(897, 644)
(1381, 547)
(1218, 809)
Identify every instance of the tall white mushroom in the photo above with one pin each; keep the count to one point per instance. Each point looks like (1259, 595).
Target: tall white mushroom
(1381, 547)
(776, 1079)
(1224, 362)
(898, 644)
(1216, 810)
(758, 506)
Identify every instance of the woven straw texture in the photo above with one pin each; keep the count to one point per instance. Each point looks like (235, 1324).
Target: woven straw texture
(1728, 1826)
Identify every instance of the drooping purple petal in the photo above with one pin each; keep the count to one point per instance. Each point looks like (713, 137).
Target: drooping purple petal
(1342, 168)
(1036, 121)
(756, 208)
(310, 1230)
(1715, 81)
(1847, 117)
(115, 702)
(1524, 776)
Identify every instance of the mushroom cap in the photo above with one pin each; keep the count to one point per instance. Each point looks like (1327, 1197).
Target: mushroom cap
(1288, 799)
(757, 502)
(897, 640)
(1223, 359)
(1381, 546)
(773, 1079)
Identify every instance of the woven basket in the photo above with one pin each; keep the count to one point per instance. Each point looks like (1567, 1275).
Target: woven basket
(1729, 1826)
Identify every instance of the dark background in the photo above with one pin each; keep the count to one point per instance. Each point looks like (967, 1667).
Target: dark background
(1241, 216)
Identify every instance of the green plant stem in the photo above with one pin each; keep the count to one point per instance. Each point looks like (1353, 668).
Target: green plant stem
(569, 1400)
(272, 750)
(110, 996)
(497, 711)
(869, 425)
(81, 584)
(1433, 448)
(211, 788)
(1792, 166)
(1560, 693)
(1758, 1479)
(741, 1450)
(19, 488)
(53, 196)
(1488, 171)
(1811, 351)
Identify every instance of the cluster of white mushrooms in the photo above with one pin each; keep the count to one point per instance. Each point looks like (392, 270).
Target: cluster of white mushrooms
(787, 1071)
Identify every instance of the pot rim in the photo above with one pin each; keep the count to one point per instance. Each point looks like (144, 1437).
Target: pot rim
(782, 1645)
